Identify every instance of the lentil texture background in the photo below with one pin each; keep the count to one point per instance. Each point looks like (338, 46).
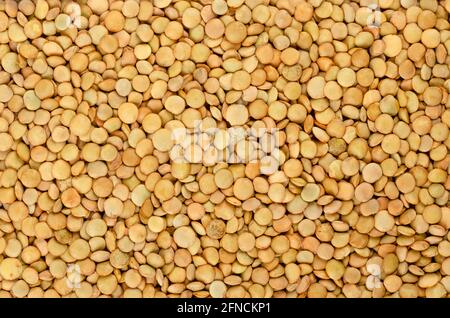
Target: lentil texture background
(354, 202)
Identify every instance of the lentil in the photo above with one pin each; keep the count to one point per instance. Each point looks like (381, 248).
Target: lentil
(224, 148)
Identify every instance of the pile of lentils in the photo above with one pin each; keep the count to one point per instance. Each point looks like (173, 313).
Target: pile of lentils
(357, 92)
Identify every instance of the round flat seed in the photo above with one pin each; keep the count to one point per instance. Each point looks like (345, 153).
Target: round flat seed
(364, 192)
(292, 90)
(372, 172)
(431, 38)
(335, 269)
(384, 222)
(184, 237)
(156, 224)
(432, 214)
(62, 22)
(215, 229)
(162, 3)
(113, 207)
(71, 198)
(235, 32)
(10, 63)
(236, 114)
(96, 228)
(310, 192)
(308, 149)
(332, 90)
(6, 142)
(243, 189)
(114, 21)
(217, 289)
(44, 89)
(162, 139)
(315, 87)
(6, 93)
(130, 8)
(175, 104)
(79, 249)
(391, 144)
(164, 190)
(10, 268)
(405, 183)
(346, 77)
(214, 28)
(246, 242)
(151, 123)
(392, 45)
(240, 80)
(223, 178)
(195, 98)
(128, 113)
(108, 44)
